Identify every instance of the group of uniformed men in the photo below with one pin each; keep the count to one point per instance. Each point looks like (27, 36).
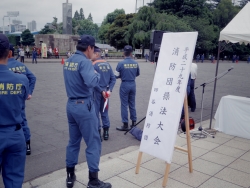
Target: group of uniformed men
(89, 81)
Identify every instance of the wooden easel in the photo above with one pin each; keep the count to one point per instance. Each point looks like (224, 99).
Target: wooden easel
(188, 150)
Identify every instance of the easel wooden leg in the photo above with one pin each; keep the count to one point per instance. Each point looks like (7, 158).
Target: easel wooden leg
(165, 180)
(138, 163)
(190, 162)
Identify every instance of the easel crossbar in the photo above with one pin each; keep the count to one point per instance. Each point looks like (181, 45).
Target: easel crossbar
(181, 149)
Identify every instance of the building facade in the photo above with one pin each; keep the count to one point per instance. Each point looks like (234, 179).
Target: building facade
(64, 43)
(32, 25)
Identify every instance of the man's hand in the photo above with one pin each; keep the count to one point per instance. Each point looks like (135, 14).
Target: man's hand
(104, 94)
(108, 93)
(29, 97)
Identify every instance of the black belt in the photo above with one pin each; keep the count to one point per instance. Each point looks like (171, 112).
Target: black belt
(77, 98)
(127, 80)
(18, 126)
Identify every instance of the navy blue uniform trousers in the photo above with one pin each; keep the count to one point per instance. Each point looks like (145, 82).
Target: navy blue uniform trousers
(83, 124)
(26, 129)
(127, 96)
(99, 104)
(12, 156)
(191, 97)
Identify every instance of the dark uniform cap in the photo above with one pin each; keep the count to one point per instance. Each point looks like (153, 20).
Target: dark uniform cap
(97, 50)
(87, 40)
(11, 47)
(128, 48)
(4, 42)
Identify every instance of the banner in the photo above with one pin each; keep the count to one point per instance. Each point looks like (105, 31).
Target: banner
(138, 51)
(44, 50)
(167, 94)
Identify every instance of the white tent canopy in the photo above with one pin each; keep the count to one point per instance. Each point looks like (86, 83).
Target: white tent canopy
(238, 30)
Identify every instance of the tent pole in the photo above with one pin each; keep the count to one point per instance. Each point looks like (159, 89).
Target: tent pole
(215, 81)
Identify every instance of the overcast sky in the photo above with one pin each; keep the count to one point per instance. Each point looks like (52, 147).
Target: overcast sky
(43, 11)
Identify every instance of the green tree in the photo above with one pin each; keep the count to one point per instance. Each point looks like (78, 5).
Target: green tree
(103, 31)
(76, 16)
(117, 30)
(111, 16)
(208, 34)
(87, 27)
(90, 17)
(27, 37)
(181, 7)
(46, 30)
(139, 30)
(243, 3)
(224, 13)
(81, 16)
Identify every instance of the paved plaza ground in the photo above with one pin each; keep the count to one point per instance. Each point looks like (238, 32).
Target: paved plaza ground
(47, 119)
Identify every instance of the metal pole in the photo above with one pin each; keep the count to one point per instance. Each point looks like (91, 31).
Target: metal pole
(3, 25)
(9, 26)
(135, 5)
(215, 81)
(143, 2)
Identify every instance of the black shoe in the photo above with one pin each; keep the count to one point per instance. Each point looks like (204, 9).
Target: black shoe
(94, 182)
(99, 184)
(71, 177)
(28, 148)
(106, 133)
(100, 133)
(133, 124)
(124, 127)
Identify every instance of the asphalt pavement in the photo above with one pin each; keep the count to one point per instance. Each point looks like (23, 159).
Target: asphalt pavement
(46, 111)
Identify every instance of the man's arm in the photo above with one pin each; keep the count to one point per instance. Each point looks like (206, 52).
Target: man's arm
(32, 81)
(112, 80)
(138, 70)
(90, 76)
(117, 72)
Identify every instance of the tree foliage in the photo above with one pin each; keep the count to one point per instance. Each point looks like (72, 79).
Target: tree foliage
(76, 15)
(110, 18)
(90, 18)
(46, 30)
(116, 31)
(27, 37)
(81, 16)
(224, 13)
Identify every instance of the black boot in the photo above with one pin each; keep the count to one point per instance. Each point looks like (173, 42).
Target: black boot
(124, 127)
(94, 182)
(105, 133)
(71, 177)
(133, 124)
(100, 133)
(28, 149)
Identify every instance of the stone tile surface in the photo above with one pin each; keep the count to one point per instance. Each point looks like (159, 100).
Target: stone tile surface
(192, 179)
(241, 165)
(230, 151)
(235, 177)
(206, 167)
(218, 158)
(218, 183)
(238, 145)
(144, 178)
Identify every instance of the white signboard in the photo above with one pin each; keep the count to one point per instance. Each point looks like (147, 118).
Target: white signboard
(167, 94)
(138, 51)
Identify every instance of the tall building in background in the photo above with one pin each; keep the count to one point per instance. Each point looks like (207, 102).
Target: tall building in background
(67, 18)
(32, 25)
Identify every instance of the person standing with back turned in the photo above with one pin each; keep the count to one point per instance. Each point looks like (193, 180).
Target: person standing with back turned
(127, 70)
(13, 92)
(103, 91)
(80, 78)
